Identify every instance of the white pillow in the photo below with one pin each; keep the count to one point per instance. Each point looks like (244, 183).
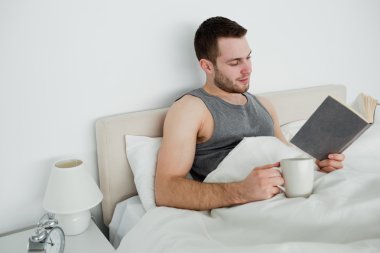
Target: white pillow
(291, 128)
(142, 157)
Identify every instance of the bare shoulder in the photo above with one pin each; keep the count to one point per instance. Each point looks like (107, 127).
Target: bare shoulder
(267, 104)
(187, 107)
(181, 127)
(272, 111)
(188, 102)
(186, 113)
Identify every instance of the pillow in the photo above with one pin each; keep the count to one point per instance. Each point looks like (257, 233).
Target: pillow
(291, 128)
(142, 157)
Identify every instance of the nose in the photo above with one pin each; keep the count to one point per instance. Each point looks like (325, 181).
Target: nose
(246, 67)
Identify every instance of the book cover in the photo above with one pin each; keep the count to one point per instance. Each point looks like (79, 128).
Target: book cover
(331, 129)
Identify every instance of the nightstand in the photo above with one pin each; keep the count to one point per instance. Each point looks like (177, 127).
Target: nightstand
(90, 241)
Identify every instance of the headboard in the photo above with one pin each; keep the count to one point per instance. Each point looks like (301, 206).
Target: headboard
(116, 178)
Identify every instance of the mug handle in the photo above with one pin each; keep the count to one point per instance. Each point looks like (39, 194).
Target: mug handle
(279, 186)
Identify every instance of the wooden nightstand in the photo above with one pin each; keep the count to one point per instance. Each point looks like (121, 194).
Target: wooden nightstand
(90, 241)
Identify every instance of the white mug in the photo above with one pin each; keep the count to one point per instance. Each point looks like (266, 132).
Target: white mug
(298, 174)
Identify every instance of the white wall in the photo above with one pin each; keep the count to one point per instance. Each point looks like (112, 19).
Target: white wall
(64, 64)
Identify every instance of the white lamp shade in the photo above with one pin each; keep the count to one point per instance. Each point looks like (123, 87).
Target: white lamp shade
(71, 188)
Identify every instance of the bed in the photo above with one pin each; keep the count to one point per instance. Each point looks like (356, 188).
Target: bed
(342, 214)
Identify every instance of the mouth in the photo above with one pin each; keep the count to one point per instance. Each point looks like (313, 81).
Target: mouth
(244, 80)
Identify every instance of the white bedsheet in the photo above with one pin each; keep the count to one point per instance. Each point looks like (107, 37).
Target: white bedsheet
(126, 215)
(342, 215)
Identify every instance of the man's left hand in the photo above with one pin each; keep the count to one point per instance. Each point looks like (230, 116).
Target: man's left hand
(334, 162)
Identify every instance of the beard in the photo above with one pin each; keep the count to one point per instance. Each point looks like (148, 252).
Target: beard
(227, 85)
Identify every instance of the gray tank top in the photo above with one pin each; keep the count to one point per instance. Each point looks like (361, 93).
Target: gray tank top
(231, 124)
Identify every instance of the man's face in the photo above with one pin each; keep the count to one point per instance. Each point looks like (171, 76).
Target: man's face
(233, 66)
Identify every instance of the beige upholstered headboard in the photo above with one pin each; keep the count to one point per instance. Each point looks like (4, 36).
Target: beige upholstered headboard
(116, 179)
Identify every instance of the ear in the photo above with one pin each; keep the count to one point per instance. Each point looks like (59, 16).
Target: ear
(206, 65)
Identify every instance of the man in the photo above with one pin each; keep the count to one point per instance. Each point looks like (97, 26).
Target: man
(203, 126)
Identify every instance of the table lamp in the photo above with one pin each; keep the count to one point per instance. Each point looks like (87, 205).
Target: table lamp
(70, 194)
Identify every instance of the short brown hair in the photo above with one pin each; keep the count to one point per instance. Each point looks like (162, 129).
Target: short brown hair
(208, 33)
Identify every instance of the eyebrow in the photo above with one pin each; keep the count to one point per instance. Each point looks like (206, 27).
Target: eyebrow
(239, 58)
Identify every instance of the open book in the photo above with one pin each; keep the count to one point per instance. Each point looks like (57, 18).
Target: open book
(334, 126)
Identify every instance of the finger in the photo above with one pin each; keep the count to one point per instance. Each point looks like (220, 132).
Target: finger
(271, 173)
(274, 173)
(337, 157)
(276, 190)
(268, 166)
(271, 192)
(268, 173)
(330, 163)
(274, 181)
(328, 169)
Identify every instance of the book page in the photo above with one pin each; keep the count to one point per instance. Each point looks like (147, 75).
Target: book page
(354, 107)
(366, 106)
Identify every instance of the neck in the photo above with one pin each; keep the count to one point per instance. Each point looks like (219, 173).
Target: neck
(233, 98)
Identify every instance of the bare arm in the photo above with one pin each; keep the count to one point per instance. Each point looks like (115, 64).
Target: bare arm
(182, 125)
(276, 124)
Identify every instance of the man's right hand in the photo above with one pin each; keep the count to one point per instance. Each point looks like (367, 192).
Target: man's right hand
(262, 183)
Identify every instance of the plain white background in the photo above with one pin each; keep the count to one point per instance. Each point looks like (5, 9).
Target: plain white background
(64, 64)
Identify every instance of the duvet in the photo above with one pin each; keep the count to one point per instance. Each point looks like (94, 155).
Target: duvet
(341, 215)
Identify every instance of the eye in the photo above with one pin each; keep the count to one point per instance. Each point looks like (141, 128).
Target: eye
(234, 63)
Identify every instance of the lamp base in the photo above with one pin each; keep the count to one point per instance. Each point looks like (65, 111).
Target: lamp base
(74, 223)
